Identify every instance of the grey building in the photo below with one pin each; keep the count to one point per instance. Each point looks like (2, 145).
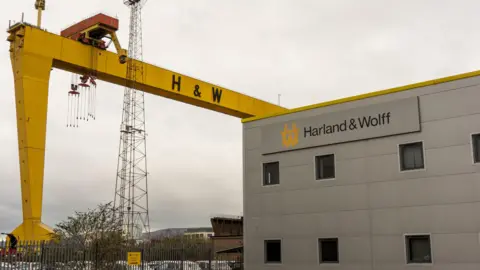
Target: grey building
(385, 180)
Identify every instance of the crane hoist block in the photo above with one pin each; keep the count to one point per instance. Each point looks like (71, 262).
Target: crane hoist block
(92, 30)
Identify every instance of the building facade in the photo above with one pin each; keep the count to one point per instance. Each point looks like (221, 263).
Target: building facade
(198, 233)
(187, 233)
(228, 237)
(386, 180)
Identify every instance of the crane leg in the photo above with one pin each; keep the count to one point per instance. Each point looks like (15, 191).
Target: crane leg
(32, 74)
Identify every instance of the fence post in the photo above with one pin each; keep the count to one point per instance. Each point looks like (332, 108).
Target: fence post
(210, 256)
(142, 257)
(96, 254)
(182, 258)
(41, 254)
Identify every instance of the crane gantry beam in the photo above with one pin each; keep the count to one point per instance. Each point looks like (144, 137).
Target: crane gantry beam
(34, 52)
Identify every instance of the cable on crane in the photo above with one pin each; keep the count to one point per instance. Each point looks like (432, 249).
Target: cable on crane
(81, 99)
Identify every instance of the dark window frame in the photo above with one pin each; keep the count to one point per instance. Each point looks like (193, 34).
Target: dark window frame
(408, 248)
(319, 170)
(321, 255)
(475, 139)
(265, 173)
(406, 146)
(265, 253)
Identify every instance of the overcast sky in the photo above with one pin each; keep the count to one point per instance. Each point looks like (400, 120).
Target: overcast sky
(306, 50)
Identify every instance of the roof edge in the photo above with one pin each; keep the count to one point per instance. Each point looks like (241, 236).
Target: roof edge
(367, 95)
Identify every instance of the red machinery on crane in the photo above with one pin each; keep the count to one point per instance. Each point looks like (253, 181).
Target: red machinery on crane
(93, 30)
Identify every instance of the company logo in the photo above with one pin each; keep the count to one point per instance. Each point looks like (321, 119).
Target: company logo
(290, 136)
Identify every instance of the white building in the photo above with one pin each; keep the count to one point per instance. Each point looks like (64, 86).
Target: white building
(199, 233)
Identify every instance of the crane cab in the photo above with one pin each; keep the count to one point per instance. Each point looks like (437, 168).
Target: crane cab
(94, 30)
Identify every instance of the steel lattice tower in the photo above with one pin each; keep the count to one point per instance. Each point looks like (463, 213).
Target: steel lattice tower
(131, 189)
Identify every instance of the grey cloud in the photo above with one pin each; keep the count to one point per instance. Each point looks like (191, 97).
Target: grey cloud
(309, 51)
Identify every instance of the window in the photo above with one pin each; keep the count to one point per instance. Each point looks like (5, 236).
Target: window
(418, 249)
(411, 156)
(325, 167)
(328, 248)
(271, 174)
(476, 147)
(273, 251)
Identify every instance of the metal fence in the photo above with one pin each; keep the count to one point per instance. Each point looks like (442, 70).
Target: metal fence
(161, 255)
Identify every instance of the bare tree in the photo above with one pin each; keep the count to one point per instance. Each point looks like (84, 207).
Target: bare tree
(96, 235)
(85, 228)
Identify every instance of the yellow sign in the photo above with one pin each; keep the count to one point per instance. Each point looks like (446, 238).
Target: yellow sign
(134, 258)
(290, 136)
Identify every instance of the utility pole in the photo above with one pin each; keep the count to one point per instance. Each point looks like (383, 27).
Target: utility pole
(131, 189)
(39, 6)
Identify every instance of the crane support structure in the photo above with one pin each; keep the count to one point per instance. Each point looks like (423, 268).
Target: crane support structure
(34, 52)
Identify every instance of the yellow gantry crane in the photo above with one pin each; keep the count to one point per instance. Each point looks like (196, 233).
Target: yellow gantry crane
(34, 52)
